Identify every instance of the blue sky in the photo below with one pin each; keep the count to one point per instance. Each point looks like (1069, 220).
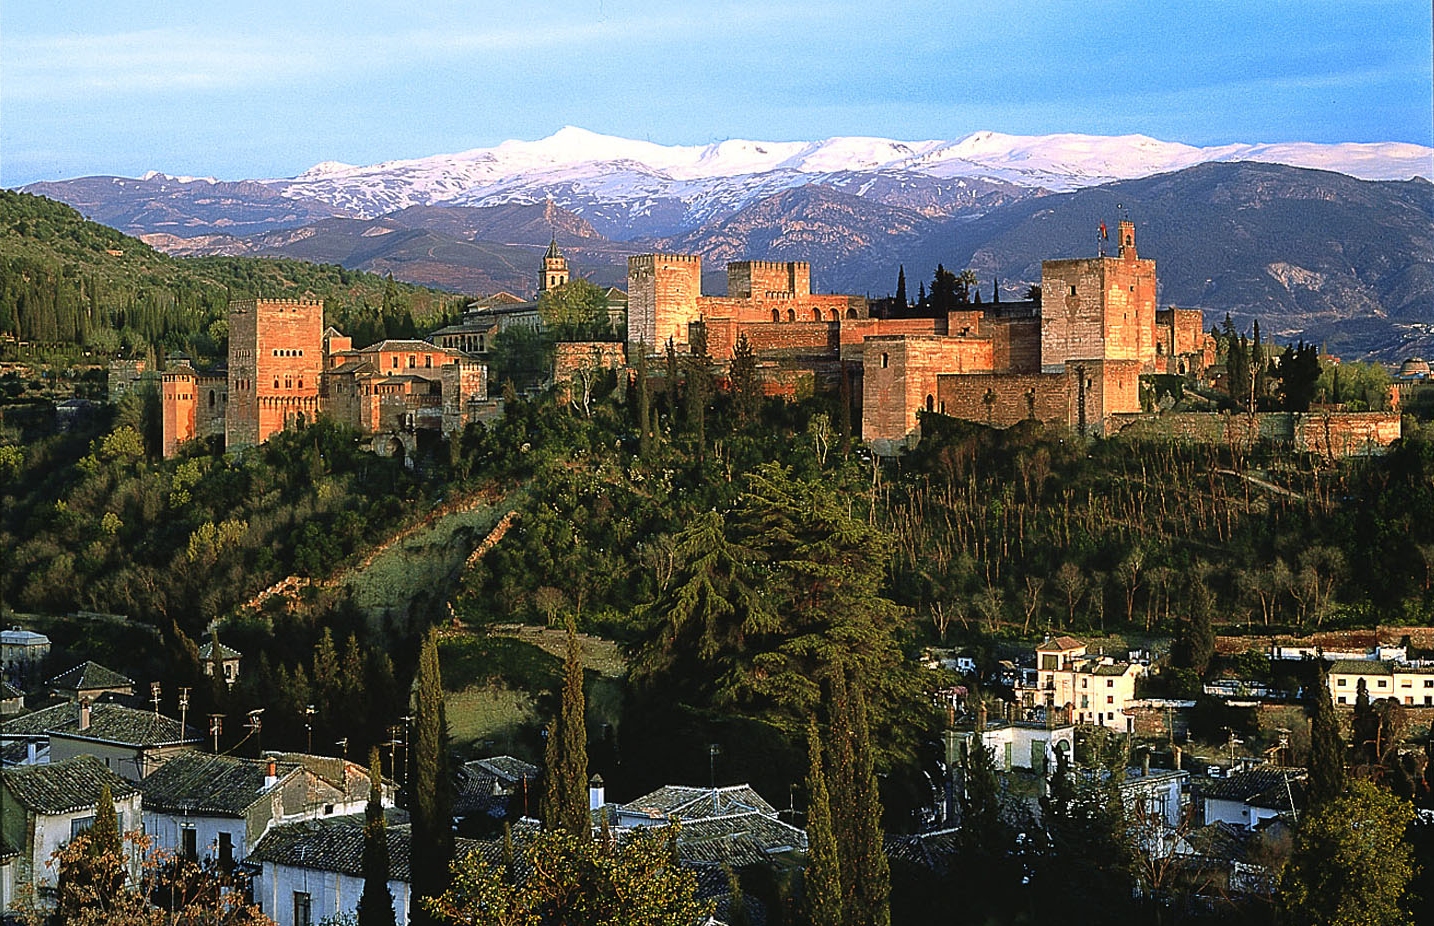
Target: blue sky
(266, 89)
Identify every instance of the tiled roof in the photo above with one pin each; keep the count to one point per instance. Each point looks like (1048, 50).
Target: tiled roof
(737, 839)
(18, 637)
(1118, 668)
(336, 844)
(109, 723)
(932, 851)
(63, 787)
(225, 652)
(393, 344)
(9, 692)
(208, 784)
(1247, 785)
(507, 769)
(88, 676)
(683, 803)
(1059, 644)
(1361, 667)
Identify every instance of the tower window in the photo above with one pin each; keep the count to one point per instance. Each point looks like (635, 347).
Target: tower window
(885, 359)
(1073, 292)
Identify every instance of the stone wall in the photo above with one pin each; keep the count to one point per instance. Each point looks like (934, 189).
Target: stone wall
(1098, 308)
(1329, 434)
(756, 278)
(275, 359)
(1343, 434)
(900, 377)
(781, 338)
(1004, 399)
(1016, 343)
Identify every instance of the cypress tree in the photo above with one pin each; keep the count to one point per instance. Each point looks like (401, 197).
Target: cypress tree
(745, 393)
(1364, 726)
(375, 906)
(1326, 770)
(431, 798)
(97, 874)
(873, 886)
(840, 786)
(644, 405)
(565, 796)
(901, 286)
(823, 874)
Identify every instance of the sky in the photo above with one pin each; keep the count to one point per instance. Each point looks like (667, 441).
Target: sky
(267, 89)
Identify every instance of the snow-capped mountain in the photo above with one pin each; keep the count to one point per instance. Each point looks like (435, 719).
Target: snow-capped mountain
(586, 172)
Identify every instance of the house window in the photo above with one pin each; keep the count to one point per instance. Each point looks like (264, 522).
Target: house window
(885, 359)
(189, 844)
(1339, 682)
(80, 825)
(303, 909)
(412, 361)
(1110, 699)
(1383, 683)
(1343, 699)
(1407, 683)
(428, 361)
(1408, 699)
(395, 362)
(1085, 701)
(1073, 292)
(1110, 683)
(1085, 683)
(1429, 683)
(1428, 699)
(226, 850)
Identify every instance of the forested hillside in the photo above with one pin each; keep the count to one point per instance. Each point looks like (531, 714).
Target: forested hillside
(69, 287)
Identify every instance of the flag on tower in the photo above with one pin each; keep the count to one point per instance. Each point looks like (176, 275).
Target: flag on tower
(1104, 235)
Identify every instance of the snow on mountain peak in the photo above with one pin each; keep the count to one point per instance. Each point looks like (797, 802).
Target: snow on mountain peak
(623, 170)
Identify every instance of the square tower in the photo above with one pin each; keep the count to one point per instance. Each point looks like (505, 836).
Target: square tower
(662, 294)
(275, 359)
(1099, 308)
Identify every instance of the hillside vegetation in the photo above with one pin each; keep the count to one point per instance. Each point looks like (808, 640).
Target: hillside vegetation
(70, 287)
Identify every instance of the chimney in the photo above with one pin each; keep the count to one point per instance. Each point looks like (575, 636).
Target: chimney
(980, 715)
(1176, 751)
(84, 713)
(271, 774)
(1145, 763)
(595, 793)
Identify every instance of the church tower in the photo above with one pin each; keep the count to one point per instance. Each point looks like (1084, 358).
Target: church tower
(555, 268)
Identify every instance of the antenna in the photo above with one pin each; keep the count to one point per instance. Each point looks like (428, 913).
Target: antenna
(183, 708)
(343, 745)
(216, 727)
(154, 696)
(254, 725)
(309, 712)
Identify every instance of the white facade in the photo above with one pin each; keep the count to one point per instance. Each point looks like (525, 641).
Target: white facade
(1096, 689)
(53, 831)
(203, 838)
(281, 892)
(1409, 685)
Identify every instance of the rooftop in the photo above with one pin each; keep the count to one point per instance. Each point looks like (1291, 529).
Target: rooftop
(208, 784)
(109, 723)
(225, 652)
(1361, 667)
(89, 676)
(677, 802)
(15, 636)
(63, 787)
(1248, 785)
(1059, 645)
(506, 769)
(336, 844)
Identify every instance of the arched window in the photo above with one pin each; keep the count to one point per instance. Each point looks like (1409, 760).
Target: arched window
(851, 313)
(776, 316)
(836, 316)
(930, 403)
(791, 315)
(816, 315)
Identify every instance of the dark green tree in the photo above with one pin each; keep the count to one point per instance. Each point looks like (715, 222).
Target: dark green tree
(873, 888)
(901, 286)
(575, 311)
(746, 391)
(565, 794)
(1194, 645)
(645, 427)
(1351, 864)
(430, 801)
(375, 907)
(1326, 770)
(823, 887)
(97, 872)
(1364, 728)
(1298, 370)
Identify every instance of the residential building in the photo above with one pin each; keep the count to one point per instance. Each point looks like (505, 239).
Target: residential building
(130, 742)
(88, 681)
(228, 659)
(22, 653)
(1410, 685)
(47, 805)
(1094, 688)
(732, 825)
(1251, 797)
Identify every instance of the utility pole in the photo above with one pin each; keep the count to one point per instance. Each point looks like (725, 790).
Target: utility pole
(309, 713)
(216, 726)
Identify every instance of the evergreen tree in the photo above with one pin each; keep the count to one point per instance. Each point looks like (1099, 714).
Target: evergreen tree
(1364, 726)
(1326, 769)
(431, 795)
(746, 392)
(901, 286)
(375, 907)
(1194, 645)
(699, 389)
(87, 878)
(823, 885)
(995, 290)
(565, 796)
(1258, 375)
(644, 405)
(670, 385)
(873, 888)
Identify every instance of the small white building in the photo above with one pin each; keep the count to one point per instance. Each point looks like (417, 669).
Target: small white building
(1095, 689)
(48, 805)
(1013, 744)
(1246, 799)
(312, 871)
(130, 742)
(22, 653)
(1412, 686)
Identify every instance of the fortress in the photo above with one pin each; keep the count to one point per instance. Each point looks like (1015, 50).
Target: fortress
(286, 369)
(1074, 359)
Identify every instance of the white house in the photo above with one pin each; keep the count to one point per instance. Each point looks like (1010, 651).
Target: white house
(1013, 744)
(1095, 689)
(130, 742)
(1248, 798)
(312, 870)
(1409, 685)
(46, 806)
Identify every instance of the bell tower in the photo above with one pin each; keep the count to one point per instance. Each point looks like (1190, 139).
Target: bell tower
(1127, 240)
(555, 268)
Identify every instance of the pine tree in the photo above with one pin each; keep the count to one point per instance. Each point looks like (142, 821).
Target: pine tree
(565, 798)
(823, 874)
(431, 797)
(1326, 769)
(375, 907)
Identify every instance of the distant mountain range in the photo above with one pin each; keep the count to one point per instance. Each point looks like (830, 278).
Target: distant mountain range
(1285, 232)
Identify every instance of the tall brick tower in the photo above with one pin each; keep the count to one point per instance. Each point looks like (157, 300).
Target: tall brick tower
(179, 386)
(1099, 308)
(662, 293)
(555, 268)
(275, 359)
